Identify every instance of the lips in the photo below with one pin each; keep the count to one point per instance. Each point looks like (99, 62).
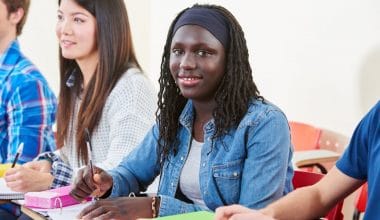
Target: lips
(67, 43)
(188, 81)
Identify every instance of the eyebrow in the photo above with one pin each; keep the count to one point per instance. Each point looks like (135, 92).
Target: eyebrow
(74, 13)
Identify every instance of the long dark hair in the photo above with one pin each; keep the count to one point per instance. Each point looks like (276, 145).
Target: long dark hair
(232, 97)
(116, 55)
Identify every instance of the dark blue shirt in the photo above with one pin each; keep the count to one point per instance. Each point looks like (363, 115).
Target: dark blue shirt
(361, 160)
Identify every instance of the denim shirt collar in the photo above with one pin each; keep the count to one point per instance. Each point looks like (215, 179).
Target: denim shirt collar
(186, 119)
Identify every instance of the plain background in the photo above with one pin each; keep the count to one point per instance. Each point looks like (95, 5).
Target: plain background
(319, 61)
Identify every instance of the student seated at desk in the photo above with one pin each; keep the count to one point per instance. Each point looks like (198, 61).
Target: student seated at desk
(27, 104)
(358, 164)
(102, 89)
(216, 140)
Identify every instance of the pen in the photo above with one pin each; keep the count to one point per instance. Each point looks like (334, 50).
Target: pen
(19, 151)
(89, 150)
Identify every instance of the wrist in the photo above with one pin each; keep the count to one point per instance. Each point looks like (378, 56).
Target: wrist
(155, 206)
(47, 181)
(267, 211)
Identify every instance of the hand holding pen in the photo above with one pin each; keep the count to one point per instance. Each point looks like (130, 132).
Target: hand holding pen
(86, 184)
(90, 180)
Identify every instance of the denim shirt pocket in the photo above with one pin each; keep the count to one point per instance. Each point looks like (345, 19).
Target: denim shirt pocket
(227, 178)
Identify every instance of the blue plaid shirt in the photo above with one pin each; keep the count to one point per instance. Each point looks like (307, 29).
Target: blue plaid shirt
(27, 108)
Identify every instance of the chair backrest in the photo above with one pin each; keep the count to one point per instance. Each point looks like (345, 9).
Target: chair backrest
(304, 136)
(303, 178)
(361, 202)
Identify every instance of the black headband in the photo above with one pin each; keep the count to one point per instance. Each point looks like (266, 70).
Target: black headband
(209, 19)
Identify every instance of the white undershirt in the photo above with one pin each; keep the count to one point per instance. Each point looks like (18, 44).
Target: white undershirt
(189, 179)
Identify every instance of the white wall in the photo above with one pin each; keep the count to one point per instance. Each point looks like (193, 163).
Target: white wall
(317, 60)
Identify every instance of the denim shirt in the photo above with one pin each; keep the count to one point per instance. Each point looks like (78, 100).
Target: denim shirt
(250, 165)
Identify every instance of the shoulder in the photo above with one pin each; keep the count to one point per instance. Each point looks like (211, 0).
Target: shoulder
(133, 88)
(132, 79)
(24, 71)
(262, 111)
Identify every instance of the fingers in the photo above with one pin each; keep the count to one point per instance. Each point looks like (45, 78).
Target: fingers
(93, 211)
(223, 213)
(84, 185)
(250, 216)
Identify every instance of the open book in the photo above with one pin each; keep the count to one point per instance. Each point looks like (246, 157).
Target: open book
(8, 194)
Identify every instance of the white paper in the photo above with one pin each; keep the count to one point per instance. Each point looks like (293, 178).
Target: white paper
(6, 193)
(68, 212)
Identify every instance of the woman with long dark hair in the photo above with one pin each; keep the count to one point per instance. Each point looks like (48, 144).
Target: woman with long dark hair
(102, 89)
(216, 140)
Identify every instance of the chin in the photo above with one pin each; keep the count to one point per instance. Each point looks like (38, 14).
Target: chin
(69, 56)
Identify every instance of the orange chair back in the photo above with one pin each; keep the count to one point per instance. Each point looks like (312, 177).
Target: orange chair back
(303, 178)
(304, 136)
(361, 202)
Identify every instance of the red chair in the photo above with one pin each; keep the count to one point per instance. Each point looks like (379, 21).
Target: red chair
(303, 178)
(306, 137)
(361, 202)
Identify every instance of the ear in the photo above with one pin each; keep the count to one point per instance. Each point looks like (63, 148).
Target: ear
(15, 17)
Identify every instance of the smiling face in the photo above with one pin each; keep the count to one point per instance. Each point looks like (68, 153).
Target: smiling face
(76, 31)
(197, 62)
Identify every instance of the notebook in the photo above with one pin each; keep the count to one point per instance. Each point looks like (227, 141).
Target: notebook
(199, 215)
(8, 194)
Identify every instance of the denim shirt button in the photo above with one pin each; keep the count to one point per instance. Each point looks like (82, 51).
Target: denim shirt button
(203, 164)
(172, 184)
(235, 174)
(182, 158)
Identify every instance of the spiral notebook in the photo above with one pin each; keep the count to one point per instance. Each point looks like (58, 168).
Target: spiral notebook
(8, 194)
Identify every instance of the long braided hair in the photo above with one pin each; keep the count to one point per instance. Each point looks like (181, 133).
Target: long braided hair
(232, 97)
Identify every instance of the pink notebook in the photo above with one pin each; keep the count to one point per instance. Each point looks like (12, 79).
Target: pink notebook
(50, 199)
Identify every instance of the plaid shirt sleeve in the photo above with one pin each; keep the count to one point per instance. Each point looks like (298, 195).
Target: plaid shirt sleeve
(61, 171)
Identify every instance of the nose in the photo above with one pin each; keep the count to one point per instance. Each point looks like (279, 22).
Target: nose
(187, 61)
(65, 28)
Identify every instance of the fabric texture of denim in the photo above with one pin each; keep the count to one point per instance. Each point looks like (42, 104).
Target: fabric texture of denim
(249, 165)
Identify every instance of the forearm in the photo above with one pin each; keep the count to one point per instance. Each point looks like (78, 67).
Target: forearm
(303, 203)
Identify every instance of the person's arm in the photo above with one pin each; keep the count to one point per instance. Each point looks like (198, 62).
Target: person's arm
(130, 117)
(304, 203)
(314, 201)
(31, 114)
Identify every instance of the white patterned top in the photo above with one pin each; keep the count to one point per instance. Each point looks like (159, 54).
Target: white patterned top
(127, 116)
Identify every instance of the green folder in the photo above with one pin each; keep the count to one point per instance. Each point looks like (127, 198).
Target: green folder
(201, 215)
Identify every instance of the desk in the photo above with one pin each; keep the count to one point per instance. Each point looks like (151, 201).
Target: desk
(4, 201)
(32, 214)
(310, 157)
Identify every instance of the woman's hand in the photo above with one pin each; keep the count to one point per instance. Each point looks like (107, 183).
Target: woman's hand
(85, 184)
(238, 212)
(25, 179)
(119, 208)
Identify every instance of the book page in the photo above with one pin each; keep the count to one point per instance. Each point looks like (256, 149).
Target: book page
(6, 193)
